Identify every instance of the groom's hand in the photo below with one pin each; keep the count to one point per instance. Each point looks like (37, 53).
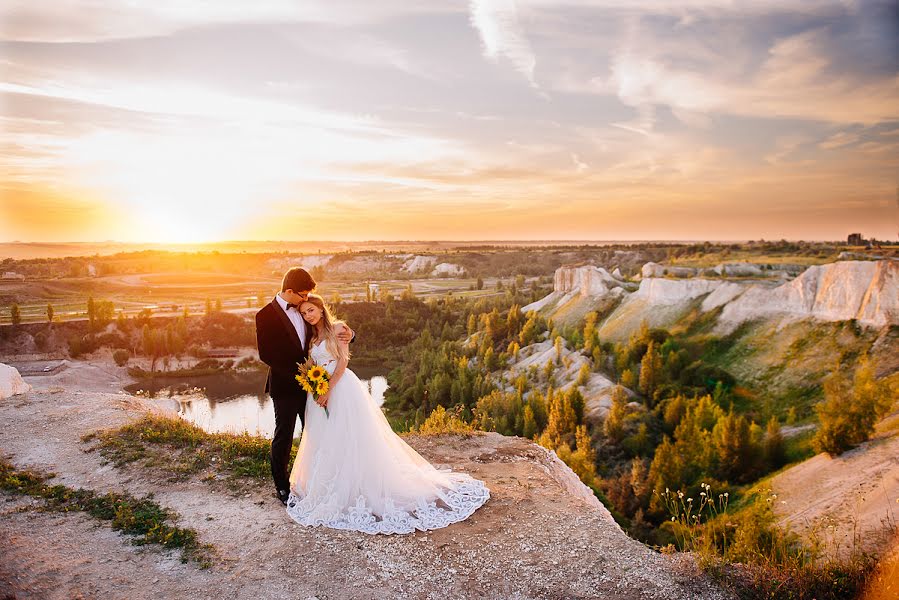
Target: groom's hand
(345, 335)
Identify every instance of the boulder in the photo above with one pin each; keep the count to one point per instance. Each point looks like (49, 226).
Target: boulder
(11, 383)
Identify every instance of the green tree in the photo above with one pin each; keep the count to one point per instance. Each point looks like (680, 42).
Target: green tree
(514, 320)
(666, 471)
(613, 426)
(562, 422)
(529, 425)
(734, 448)
(583, 460)
(50, 313)
(675, 410)
(849, 412)
(650, 371)
(103, 313)
(549, 369)
(627, 379)
(583, 375)
(598, 358)
(532, 329)
(590, 331)
(318, 273)
(480, 283)
(208, 306)
(559, 345)
(91, 314)
(218, 305)
(15, 314)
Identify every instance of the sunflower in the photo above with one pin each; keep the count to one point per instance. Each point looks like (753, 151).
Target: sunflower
(316, 373)
(322, 388)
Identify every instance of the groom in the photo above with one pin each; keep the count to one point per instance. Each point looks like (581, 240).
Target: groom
(282, 338)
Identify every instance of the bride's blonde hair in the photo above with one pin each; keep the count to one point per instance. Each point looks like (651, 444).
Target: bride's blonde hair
(328, 330)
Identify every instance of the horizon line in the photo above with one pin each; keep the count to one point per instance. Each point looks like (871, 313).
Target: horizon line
(430, 241)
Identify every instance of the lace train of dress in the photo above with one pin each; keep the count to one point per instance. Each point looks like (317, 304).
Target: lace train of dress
(353, 472)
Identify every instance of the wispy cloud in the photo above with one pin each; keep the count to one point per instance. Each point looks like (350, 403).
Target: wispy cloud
(501, 33)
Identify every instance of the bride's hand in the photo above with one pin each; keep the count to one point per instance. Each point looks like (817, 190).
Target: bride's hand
(323, 400)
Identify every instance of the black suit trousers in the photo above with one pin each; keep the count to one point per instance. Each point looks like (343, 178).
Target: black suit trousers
(287, 409)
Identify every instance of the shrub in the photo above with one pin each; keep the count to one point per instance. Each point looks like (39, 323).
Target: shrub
(440, 421)
(121, 357)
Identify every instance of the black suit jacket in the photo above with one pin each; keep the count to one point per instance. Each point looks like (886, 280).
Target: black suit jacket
(280, 348)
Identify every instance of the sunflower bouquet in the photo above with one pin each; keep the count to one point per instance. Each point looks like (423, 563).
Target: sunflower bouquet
(315, 379)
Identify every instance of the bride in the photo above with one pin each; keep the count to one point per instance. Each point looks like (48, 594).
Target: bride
(352, 471)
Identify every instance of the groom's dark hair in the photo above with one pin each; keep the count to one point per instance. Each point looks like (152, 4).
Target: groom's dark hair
(298, 280)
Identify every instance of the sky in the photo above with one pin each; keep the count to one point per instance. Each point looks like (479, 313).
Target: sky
(200, 121)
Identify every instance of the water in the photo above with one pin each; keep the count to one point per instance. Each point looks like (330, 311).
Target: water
(229, 402)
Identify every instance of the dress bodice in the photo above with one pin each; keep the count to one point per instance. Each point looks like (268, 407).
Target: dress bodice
(320, 354)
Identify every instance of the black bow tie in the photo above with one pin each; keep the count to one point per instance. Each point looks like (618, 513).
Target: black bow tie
(294, 306)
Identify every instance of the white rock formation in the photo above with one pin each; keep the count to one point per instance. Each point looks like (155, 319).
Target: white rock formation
(11, 383)
(570, 283)
(652, 269)
(723, 294)
(675, 291)
(313, 260)
(864, 290)
(741, 269)
(867, 291)
(587, 280)
(417, 264)
(450, 269)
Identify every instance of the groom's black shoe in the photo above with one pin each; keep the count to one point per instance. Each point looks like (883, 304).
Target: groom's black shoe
(283, 495)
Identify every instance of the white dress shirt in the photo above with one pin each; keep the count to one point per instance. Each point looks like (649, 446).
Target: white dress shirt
(295, 317)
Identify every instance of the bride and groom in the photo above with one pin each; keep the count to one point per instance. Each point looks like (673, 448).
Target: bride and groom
(351, 470)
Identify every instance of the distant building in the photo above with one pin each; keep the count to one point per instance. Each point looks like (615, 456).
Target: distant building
(856, 239)
(12, 275)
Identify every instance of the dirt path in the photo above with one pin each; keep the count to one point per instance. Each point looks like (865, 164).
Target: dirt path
(533, 539)
(837, 498)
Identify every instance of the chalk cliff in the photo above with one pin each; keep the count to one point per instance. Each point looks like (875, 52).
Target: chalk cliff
(867, 291)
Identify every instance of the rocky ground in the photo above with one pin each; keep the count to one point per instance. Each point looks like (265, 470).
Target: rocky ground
(541, 535)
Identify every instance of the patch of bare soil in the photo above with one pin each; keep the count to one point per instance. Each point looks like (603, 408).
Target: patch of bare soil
(845, 501)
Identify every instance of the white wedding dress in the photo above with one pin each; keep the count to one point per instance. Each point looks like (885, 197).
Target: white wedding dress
(353, 472)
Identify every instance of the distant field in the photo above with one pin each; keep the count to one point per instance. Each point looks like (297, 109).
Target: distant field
(171, 293)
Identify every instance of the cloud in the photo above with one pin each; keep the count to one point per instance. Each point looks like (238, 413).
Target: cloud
(794, 80)
(579, 165)
(501, 33)
(90, 21)
(838, 140)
